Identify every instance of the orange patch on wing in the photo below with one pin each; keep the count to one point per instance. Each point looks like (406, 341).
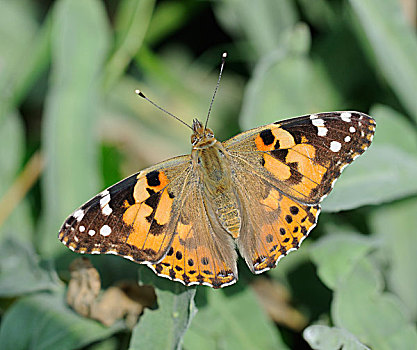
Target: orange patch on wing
(284, 137)
(284, 234)
(163, 182)
(277, 168)
(163, 210)
(193, 264)
(139, 193)
(136, 216)
(312, 172)
(272, 201)
(260, 145)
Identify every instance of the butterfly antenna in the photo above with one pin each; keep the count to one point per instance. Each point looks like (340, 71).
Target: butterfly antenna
(215, 90)
(139, 93)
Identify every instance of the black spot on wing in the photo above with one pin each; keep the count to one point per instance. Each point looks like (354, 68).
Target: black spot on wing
(153, 178)
(280, 154)
(156, 229)
(267, 137)
(153, 200)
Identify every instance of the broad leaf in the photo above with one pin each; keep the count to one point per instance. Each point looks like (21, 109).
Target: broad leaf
(232, 320)
(45, 322)
(164, 327)
(330, 338)
(69, 129)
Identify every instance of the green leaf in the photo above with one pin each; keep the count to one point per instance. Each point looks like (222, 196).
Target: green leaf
(376, 318)
(393, 129)
(319, 13)
(164, 328)
(395, 225)
(382, 174)
(168, 17)
(45, 322)
(21, 272)
(329, 338)
(359, 305)
(232, 320)
(286, 84)
(17, 28)
(343, 250)
(19, 224)
(394, 44)
(132, 22)
(79, 47)
(261, 23)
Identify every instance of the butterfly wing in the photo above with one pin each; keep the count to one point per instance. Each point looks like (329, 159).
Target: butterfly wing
(202, 252)
(134, 218)
(303, 156)
(296, 163)
(157, 217)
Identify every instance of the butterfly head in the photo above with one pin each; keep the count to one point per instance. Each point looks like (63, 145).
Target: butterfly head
(202, 137)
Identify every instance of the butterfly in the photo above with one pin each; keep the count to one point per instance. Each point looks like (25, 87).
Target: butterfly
(259, 192)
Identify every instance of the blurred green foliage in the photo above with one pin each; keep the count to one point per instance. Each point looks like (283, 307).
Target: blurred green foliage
(68, 69)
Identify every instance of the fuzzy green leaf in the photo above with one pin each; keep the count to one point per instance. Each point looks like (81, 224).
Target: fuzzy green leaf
(69, 137)
(330, 338)
(395, 225)
(394, 44)
(164, 328)
(232, 320)
(45, 322)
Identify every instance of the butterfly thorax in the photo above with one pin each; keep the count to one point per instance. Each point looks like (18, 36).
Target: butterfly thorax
(211, 164)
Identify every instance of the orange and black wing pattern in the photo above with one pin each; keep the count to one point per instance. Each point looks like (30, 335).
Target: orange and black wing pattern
(296, 162)
(134, 218)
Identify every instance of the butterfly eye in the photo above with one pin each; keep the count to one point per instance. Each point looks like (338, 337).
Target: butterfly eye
(194, 139)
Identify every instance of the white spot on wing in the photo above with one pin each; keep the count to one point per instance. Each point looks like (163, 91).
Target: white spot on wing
(81, 228)
(105, 200)
(111, 252)
(104, 203)
(335, 146)
(347, 138)
(352, 129)
(76, 239)
(91, 233)
(346, 117)
(321, 129)
(105, 230)
(78, 214)
(107, 210)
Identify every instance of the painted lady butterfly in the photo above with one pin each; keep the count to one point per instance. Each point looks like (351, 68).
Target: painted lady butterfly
(260, 191)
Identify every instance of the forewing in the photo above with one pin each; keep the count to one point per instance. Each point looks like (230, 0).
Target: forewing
(303, 156)
(134, 218)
